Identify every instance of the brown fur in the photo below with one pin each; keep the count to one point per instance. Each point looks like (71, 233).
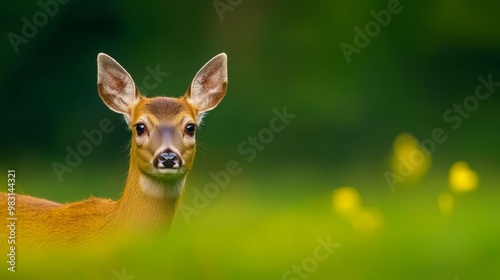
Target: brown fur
(140, 210)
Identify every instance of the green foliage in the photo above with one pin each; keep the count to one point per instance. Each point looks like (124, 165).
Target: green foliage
(248, 233)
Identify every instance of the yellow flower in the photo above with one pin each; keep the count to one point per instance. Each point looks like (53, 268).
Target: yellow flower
(410, 162)
(462, 178)
(346, 201)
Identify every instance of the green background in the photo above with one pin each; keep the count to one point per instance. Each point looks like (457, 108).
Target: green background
(280, 53)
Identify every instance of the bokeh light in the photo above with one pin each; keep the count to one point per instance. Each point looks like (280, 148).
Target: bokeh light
(348, 204)
(346, 201)
(462, 178)
(409, 161)
(330, 142)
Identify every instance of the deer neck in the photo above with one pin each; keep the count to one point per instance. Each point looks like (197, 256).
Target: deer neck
(148, 203)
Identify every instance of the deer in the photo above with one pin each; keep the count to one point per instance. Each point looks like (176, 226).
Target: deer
(162, 152)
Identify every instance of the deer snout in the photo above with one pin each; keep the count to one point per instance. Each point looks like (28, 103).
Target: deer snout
(169, 159)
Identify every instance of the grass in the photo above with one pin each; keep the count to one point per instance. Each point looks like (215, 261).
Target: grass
(260, 233)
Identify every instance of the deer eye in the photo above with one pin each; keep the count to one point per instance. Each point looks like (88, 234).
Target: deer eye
(140, 128)
(190, 129)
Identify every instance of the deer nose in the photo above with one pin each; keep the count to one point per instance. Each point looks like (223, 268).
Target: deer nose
(169, 159)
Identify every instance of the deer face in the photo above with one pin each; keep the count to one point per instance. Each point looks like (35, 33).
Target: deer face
(163, 128)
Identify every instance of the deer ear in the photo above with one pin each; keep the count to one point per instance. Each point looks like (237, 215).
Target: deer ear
(209, 85)
(115, 85)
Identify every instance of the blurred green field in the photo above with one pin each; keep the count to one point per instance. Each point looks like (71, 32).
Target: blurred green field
(418, 74)
(260, 233)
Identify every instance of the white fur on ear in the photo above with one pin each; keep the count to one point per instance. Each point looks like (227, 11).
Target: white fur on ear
(209, 85)
(116, 87)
